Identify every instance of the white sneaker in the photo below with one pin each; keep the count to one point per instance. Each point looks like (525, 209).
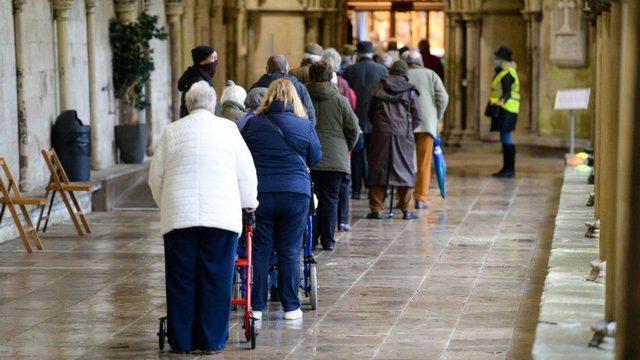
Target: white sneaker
(293, 315)
(256, 315)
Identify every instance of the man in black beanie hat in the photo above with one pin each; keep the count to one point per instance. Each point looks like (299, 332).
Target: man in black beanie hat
(205, 62)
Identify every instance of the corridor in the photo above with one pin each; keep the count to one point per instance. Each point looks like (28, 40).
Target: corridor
(462, 282)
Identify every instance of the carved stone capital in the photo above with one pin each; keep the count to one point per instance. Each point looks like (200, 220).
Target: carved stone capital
(174, 8)
(125, 9)
(531, 16)
(90, 6)
(470, 16)
(61, 9)
(595, 8)
(18, 5)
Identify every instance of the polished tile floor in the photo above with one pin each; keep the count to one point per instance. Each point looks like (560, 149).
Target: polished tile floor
(462, 282)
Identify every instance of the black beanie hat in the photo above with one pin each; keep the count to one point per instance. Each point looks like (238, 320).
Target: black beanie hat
(199, 53)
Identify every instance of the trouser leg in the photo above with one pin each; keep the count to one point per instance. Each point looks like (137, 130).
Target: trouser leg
(424, 151)
(404, 197)
(328, 186)
(180, 268)
(358, 161)
(288, 231)
(377, 194)
(262, 250)
(343, 203)
(215, 281)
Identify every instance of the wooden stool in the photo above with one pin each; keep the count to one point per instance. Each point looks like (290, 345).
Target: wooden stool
(10, 197)
(59, 182)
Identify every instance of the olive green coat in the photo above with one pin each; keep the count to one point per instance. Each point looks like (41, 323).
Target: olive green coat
(233, 111)
(336, 125)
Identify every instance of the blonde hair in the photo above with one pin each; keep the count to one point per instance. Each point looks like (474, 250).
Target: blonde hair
(284, 91)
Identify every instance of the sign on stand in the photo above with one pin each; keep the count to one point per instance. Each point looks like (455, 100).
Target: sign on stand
(572, 100)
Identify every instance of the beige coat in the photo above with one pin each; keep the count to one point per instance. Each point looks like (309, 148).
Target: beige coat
(433, 98)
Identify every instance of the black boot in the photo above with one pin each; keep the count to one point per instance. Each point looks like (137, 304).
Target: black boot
(510, 162)
(504, 161)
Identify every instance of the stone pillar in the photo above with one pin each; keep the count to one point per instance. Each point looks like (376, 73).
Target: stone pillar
(188, 38)
(174, 10)
(312, 25)
(328, 29)
(23, 136)
(126, 10)
(253, 19)
(472, 65)
(61, 9)
(532, 17)
(202, 14)
(611, 62)
(231, 21)
(453, 79)
(90, 7)
(148, 91)
(628, 267)
(218, 39)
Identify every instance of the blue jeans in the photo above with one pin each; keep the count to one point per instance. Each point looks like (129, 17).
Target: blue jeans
(199, 265)
(280, 223)
(506, 138)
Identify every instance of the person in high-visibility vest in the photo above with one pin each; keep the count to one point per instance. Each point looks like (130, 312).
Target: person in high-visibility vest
(504, 106)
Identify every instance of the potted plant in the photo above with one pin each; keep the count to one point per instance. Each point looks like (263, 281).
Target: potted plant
(132, 66)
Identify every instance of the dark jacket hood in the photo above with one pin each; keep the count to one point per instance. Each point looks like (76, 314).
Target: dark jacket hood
(393, 88)
(321, 91)
(192, 75)
(266, 79)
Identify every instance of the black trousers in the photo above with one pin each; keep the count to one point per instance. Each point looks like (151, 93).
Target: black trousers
(327, 189)
(343, 202)
(199, 263)
(359, 165)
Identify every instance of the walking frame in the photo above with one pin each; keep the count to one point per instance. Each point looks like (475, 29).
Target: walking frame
(59, 183)
(9, 200)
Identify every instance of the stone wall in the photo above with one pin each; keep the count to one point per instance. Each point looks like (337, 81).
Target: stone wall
(40, 85)
(553, 78)
(8, 94)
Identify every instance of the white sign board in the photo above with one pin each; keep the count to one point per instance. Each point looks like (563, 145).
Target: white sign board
(572, 99)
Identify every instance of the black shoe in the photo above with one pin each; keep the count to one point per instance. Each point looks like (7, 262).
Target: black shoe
(375, 216)
(408, 215)
(355, 195)
(328, 247)
(344, 227)
(506, 175)
(421, 205)
(179, 352)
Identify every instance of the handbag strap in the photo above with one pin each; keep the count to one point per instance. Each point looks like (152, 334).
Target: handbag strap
(277, 128)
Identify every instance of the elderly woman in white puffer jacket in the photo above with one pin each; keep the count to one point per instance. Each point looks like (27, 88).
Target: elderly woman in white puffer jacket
(202, 176)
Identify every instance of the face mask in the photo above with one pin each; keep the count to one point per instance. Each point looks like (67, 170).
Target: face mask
(210, 68)
(497, 63)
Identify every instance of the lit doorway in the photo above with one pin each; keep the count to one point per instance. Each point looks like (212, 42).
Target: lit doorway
(405, 22)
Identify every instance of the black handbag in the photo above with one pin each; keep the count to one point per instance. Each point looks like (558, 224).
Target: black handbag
(275, 126)
(492, 111)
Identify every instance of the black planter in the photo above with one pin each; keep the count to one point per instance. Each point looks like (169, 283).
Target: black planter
(131, 140)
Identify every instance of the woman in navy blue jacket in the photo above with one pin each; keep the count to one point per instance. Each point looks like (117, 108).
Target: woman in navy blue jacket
(284, 145)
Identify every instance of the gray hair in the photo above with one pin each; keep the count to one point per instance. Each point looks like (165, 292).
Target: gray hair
(277, 64)
(201, 95)
(385, 59)
(413, 57)
(333, 58)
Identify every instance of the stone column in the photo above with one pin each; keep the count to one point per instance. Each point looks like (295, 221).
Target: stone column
(328, 28)
(126, 10)
(218, 38)
(472, 65)
(231, 22)
(454, 78)
(61, 9)
(532, 17)
(202, 11)
(253, 19)
(23, 136)
(174, 10)
(148, 91)
(312, 25)
(90, 7)
(188, 37)
(628, 267)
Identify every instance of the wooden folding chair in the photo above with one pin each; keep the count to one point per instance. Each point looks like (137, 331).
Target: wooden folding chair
(59, 183)
(10, 197)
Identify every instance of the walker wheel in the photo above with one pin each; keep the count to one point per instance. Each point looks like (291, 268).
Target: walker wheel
(313, 283)
(162, 332)
(253, 333)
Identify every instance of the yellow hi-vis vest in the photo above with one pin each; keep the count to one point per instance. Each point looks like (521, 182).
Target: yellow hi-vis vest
(513, 104)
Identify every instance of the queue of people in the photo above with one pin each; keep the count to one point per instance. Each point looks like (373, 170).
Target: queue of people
(338, 123)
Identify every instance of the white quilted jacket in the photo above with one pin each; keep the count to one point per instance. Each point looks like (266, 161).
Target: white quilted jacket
(202, 174)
